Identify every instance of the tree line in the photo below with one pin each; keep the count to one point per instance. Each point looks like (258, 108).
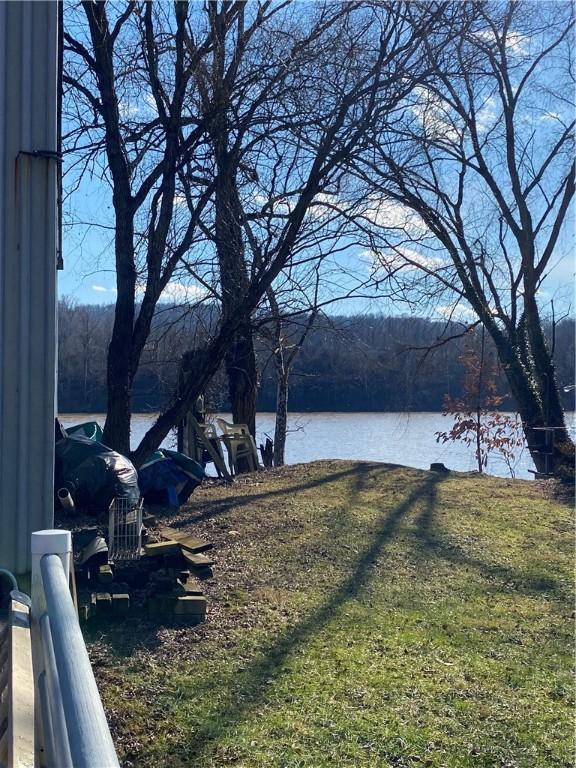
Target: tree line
(346, 363)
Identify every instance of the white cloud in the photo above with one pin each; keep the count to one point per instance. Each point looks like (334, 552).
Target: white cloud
(550, 116)
(368, 258)
(458, 312)
(409, 259)
(180, 200)
(486, 115)
(434, 115)
(389, 214)
(178, 293)
(182, 292)
(324, 204)
(127, 109)
(516, 42)
(99, 289)
(399, 258)
(280, 207)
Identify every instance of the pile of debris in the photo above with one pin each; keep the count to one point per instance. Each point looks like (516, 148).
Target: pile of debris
(88, 475)
(163, 579)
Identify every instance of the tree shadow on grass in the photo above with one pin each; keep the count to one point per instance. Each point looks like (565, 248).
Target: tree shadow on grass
(138, 632)
(212, 509)
(429, 542)
(247, 689)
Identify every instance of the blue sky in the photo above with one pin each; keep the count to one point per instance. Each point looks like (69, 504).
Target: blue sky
(89, 277)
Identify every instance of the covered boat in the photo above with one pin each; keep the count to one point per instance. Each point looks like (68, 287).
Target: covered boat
(94, 474)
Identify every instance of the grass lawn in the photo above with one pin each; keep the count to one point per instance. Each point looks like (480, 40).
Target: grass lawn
(360, 615)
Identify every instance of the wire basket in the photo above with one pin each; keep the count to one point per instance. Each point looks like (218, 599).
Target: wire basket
(124, 530)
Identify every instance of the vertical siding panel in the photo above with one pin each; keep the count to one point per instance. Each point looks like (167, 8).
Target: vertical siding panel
(28, 221)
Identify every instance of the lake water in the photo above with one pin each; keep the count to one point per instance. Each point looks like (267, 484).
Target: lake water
(398, 438)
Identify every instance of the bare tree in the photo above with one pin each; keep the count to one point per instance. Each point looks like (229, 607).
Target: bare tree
(480, 163)
(127, 72)
(284, 335)
(347, 72)
(251, 94)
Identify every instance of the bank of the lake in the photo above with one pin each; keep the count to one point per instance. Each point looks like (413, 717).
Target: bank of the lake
(361, 615)
(399, 438)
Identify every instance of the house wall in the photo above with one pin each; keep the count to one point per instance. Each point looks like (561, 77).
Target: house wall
(28, 236)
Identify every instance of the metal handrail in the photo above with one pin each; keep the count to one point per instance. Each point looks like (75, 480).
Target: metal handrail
(78, 732)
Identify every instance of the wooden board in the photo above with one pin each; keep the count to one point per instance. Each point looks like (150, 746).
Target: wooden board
(190, 605)
(171, 534)
(193, 589)
(198, 561)
(194, 544)
(185, 540)
(21, 689)
(161, 548)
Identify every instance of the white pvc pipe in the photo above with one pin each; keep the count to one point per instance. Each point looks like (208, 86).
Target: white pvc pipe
(66, 500)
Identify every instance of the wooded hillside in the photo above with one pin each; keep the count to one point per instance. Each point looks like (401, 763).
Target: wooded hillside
(347, 363)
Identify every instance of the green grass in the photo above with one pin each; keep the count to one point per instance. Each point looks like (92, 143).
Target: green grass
(361, 615)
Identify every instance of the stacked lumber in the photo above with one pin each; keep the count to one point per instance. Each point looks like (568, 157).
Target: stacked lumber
(185, 546)
(165, 581)
(180, 599)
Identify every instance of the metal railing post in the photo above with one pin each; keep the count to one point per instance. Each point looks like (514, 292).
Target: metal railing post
(50, 713)
(50, 542)
(55, 729)
(75, 728)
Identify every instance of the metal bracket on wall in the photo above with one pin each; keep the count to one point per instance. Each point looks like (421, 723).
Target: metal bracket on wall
(50, 154)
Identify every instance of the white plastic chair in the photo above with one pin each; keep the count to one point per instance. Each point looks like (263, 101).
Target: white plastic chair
(239, 444)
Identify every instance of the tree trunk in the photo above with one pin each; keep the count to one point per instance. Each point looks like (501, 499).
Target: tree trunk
(560, 444)
(117, 426)
(478, 438)
(120, 350)
(240, 358)
(544, 370)
(534, 409)
(281, 419)
(242, 378)
(207, 363)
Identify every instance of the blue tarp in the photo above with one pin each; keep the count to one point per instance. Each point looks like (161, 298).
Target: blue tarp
(169, 477)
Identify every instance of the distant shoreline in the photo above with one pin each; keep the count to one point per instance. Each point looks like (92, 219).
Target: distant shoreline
(217, 413)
